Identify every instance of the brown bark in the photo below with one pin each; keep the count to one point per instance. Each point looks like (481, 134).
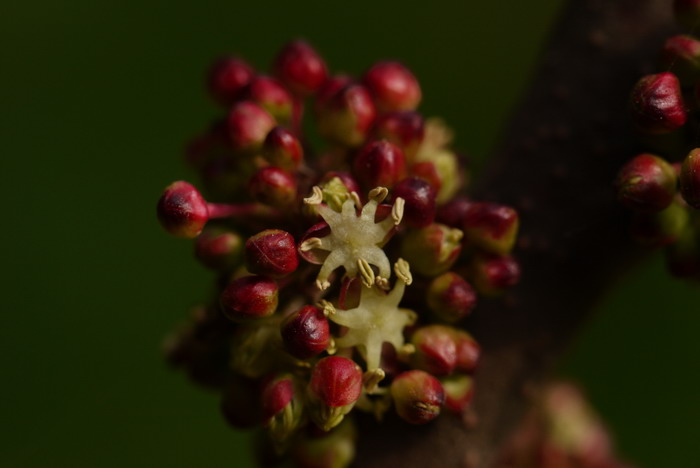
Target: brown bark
(559, 154)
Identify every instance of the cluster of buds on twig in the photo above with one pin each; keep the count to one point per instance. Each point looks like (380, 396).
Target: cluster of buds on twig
(343, 269)
(662, 187)
(561, 430)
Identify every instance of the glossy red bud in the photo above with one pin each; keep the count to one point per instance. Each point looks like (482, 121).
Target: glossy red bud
(451, 297)
(336, 381)
(468, 351)
(453, 212)
(273, 186)
(248, 125)
(346, 115)
(282, 149)
(301, 68)
(493, 274)
(405, 129)
(646, 183)
(219, 249)
(657, 104)
(418, 396)
(250, 297)
(228, 78)
(379, 164)
(271, 252)
(690, 179)
(182, 211)
(393, 87)
(491, 227)
(419, 198)
(306, 333)
(459, 392)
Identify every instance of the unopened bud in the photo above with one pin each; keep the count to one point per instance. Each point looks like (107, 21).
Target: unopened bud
(271, 252)
(300, 67)
(681, 56)
(345, 116)
(182, 210)
(393, 87)
(419, 199)
(271, 96)
(281, 407)
(491, 227)
(450, 297)
(418, 396)
(335, 386)
(282, 149)
(273, 186)
(435, 350)
(459, 392)
(431, 250)
(219, 249)
(646, 183)
(494, 274)
(468, 351)
(334, 449)
(306, 333)
(404, 129)
(454, 211)
(657, 104)
(228, 78)
(248, 125)
(690, 179)
(380, 164)
(250, 297)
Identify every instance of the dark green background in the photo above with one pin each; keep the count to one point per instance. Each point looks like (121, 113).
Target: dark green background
(96, 101)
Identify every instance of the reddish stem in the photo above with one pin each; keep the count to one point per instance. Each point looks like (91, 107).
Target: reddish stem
(225, 210)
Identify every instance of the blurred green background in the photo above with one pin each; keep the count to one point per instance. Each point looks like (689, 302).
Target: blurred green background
(97, 100)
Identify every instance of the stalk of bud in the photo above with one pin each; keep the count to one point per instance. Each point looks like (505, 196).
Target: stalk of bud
(433, 249)
(219, 249)
(393, 87)
(306, 333)
(228, 78)
(282, 149)
(418, 396)
(335, 386)
(435, 349)
(690, 179)
(271, 252)
(491, 227)
(451, 297)
(657, 104)
(250, 297)
(300, 67)
(646, 183)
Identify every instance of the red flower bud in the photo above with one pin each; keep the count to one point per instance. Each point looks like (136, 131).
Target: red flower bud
(273, 186)
(346, 115)
(393, 87)
(459, 392)
(468, 351)
(281, 148)
(239, 403)
(657, 104)
(271, 252)
(491, 227)
(306, 332)
(419, 198)
(182, 210)
(646, 183)
(380, 164)
(418, 396)
(248, 125)
(431, 250)
(681, 56)
(690, 179)
(276, 395)
(659, 228)
(219, 249)
(271, 96)
(228, 78)
(336, 381)
(404, 129)
(250, 297)
(450, 297)
(454, 211)
(435, 350)
(494, 274)
(687, 12)
(300, 67)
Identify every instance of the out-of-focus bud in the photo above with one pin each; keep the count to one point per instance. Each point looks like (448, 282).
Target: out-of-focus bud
(419, 198)
(219, 249)
(493, 274)
(271, 252)
(346, 115)
(282, 149)
(335, 386)
(228, 78)
(334, 449)
(306, 333)
(657, 104)
(251, 354)
(212, 144)
(418, 396)
(491, 227)
(453, 212)
(687, 12)
(182, 210)
(660, 228)
(427, 171)
(240, 403)
(380, 164)
(281, 407)
(690, 179)
(450, 297)
(248, 125)
(468, 351)
(273, 186)
(435, 349)
(271, 96)
(250, 297)
(459, 392)
(451, 175)
(431, 250)
(681, 56)
(646, 183)
(404, 129)
(301, 68)
(393, 87)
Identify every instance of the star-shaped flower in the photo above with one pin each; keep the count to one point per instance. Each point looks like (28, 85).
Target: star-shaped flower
(376, 320)
(354, 241)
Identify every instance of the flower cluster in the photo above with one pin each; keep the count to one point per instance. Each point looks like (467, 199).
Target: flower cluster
(343, 268)
(661, 187)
